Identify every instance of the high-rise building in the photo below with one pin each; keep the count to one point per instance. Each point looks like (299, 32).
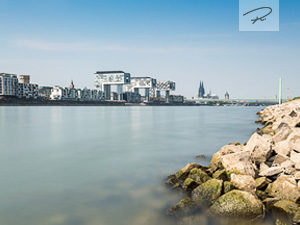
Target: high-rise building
(8, 84)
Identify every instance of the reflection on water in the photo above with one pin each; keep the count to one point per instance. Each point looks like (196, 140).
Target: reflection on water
(104, 165)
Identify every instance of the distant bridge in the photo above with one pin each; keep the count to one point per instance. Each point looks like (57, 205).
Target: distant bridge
(236, 101)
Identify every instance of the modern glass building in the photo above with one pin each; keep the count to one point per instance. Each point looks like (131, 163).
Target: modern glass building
(8, 84)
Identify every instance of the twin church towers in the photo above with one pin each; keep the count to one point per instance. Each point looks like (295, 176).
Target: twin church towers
(201, 93)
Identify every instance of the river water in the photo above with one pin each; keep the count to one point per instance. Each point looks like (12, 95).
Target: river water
(105, 165)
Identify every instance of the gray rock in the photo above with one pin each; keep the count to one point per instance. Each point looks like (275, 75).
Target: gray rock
(279, 159)
(271, 172)
(239, 163)
(282, 132)
(243, 183)
(263, 167)
(295, 157)
(205, 194)
(294, 139)
(283, 147)
(297, 175)
(238, 204)
(260, 148)
(284, 189)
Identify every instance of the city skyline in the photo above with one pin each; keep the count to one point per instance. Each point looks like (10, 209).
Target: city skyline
(186, 42)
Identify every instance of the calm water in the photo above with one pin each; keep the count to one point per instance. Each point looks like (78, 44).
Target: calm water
(104, 165)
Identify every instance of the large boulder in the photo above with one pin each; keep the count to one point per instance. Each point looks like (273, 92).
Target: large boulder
(183, 173)
(284, 211)
(283, 147)
(296, 218)
(271, 172)
(198, 175)
(282, 132)
(295, 157)
(238, 204)
(260, 148)
(279, 159)
(205, 194)
(284, 189)
(216, 161)
(239, 163)
(243, 182)
(294, 139)
(184, 207)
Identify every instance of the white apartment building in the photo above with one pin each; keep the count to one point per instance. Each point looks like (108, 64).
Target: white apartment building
(61, 93)
(8, 84)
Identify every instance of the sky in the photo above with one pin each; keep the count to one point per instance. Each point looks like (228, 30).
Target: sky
(186, 41)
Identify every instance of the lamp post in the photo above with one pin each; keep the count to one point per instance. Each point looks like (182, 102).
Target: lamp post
(280, 91)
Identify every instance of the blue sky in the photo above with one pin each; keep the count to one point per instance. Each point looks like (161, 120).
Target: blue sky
(185, 41)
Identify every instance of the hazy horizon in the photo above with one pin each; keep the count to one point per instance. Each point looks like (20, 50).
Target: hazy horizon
(183, 41)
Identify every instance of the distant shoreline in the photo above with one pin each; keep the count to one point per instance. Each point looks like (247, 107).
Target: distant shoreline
(48, 102)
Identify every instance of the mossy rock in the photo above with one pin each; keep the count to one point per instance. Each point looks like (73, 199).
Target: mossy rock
(269, 202)
(267, 130)
(170, 181)
(261, 194)
(185, 207)
(199, 176)
(182, 174)
(235, 143)
(221, 175)
(296, 218)
(284, 211)
(262, 183)
(189, 185)
(208, 192)
(238, 204)
(227, 187)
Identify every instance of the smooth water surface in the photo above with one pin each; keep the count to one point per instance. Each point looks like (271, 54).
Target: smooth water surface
(105, 165)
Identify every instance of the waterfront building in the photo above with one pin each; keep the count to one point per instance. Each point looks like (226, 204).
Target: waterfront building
(146, 83)
(24, 79)
(176, 99)
(105, 79)
(45, 92)
(166, 86)
(226, 95)
(8, 85)
(67, 93)
(132, 97)
(26, 90)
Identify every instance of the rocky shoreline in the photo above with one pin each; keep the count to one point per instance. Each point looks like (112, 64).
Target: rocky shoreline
(258, 182)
